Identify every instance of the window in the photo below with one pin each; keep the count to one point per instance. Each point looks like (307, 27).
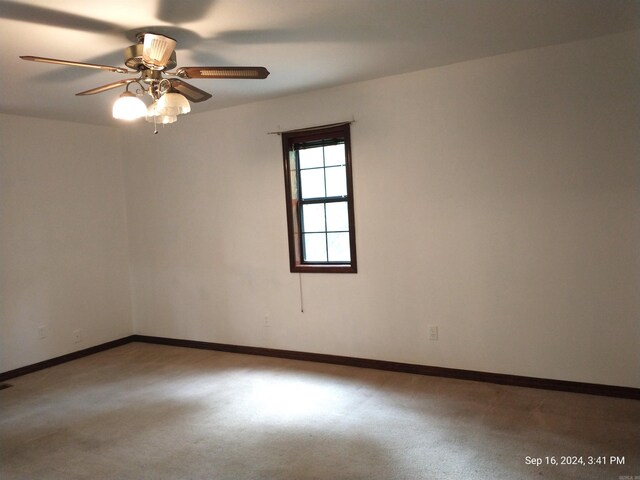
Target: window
(318, 185)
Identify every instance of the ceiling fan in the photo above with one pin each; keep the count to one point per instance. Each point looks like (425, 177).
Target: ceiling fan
(153, 59)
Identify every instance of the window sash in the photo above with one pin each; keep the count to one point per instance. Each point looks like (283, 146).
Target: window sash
(333, 252)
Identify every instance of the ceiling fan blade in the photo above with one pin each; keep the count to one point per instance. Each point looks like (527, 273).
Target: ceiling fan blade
(223, 72)
(109, 86)
(76, 64)
(55, 18)
(192, 93)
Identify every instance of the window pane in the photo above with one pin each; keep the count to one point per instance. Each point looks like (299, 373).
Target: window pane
(336, 182)
(334, 155)
(312, 183)
(315, 247)
(339, 247)
(310, 157)
(337, 216)
(313, 218)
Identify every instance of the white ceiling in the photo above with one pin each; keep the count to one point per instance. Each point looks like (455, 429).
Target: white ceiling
(305, 44)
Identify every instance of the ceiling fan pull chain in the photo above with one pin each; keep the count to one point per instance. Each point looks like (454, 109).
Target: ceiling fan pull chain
(155, 125)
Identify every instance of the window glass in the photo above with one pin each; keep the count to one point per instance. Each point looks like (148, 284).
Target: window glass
(334, 155)
(313, 219)
(312, 183)
(336, 181)
(315, 247)
(337, 217)
(338, 244)
(311, 157)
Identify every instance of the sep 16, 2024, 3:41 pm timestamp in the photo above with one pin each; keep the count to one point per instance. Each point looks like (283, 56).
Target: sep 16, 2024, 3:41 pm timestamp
(575, 460)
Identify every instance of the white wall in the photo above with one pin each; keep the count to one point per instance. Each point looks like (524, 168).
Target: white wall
(497, 199)
(63, 242)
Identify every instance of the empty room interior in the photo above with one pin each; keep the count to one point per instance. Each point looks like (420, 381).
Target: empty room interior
(339, 239)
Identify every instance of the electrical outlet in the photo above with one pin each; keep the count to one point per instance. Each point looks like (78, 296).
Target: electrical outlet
(77, 336)
(266, 321)
(433, 332)
(42, 331)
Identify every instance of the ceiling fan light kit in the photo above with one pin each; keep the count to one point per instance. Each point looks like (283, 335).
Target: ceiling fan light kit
(153, 116)
(129, 107)
(152, 58)
(173, 104)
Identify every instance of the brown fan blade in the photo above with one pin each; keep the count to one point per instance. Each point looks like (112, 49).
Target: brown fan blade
(109, 86)
(76, 64)
(223, 72)
(192, 93)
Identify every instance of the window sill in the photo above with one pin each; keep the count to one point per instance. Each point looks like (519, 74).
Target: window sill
(324, 269)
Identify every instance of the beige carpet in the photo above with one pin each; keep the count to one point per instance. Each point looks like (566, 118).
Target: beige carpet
(155, 412)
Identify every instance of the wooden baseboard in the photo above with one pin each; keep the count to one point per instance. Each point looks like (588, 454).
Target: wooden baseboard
(498, 378)
(64, 358)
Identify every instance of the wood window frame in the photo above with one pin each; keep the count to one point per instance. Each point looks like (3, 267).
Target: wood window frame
(292, 179)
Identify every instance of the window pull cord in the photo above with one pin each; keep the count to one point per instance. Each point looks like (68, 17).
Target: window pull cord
(301, 303)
